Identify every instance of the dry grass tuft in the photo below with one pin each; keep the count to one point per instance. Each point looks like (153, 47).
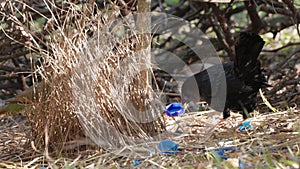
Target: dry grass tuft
(95, 83)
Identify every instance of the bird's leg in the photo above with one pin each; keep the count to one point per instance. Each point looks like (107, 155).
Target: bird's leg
(226, 113)
(245, 112)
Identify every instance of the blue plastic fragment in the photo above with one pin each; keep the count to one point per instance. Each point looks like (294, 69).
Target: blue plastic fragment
(246, 126)
(219, 155)
(222, 151)
(136, 162)
(219, 152)
(243, 164)
(180, 131)
(174, 109)
(167, 147)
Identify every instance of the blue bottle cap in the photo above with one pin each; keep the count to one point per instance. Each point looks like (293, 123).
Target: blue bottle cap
(174, 109)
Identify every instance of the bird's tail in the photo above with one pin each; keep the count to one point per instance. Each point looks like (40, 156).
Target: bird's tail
(246, 64)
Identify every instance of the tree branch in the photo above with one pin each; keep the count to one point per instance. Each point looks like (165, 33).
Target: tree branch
(277, 24)
(281, 11)
(15, 55)
(255, 20)
(229, 42)
(282, 47)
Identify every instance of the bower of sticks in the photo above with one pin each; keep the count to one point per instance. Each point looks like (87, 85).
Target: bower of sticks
(85, 84)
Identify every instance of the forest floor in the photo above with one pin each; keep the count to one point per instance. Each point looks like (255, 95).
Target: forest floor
(272, 141)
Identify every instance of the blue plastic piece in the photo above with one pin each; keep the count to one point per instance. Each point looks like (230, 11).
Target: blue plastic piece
(219, 152)
(242, 164)
(136, 162)
(246, 126)
(180, 131)
(167, 147)
(174, 109)
(222, 151)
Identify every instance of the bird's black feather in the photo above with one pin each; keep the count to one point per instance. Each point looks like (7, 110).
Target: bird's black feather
(243, 79)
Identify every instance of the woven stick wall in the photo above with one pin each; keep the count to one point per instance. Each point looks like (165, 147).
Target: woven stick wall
(90, 74)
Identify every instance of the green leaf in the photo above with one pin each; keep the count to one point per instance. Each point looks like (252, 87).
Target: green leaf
(172, 2)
